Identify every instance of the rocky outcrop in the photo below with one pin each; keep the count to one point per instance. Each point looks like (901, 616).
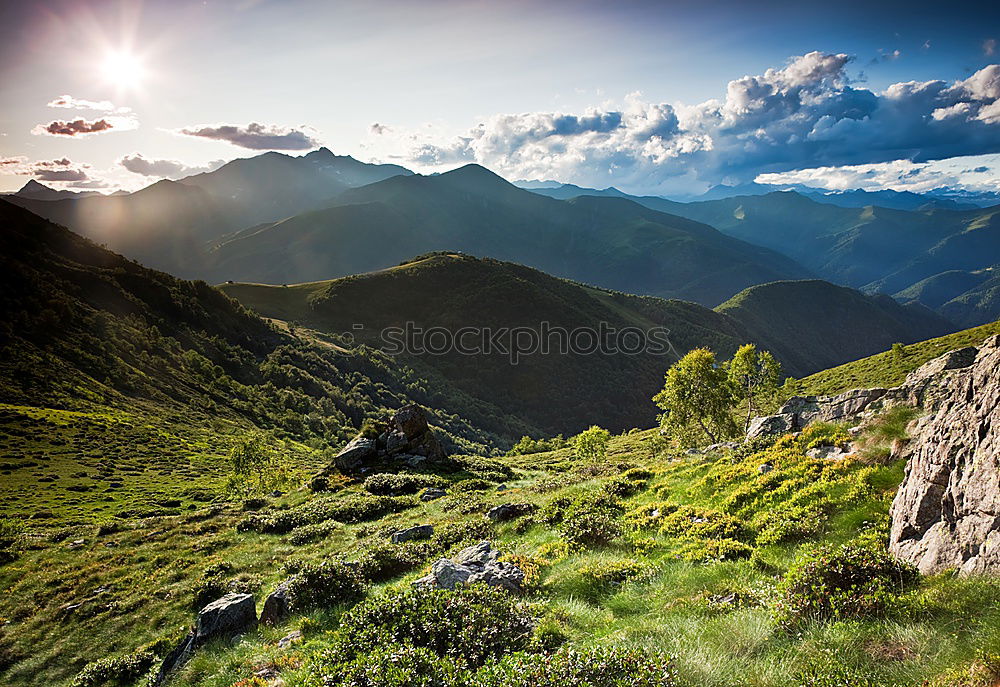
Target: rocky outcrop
(276, 607)
(412, 534)
(476, 564)
(921, 387)
(233, 614)
(509, 511)
(946, 514)
(405, 439)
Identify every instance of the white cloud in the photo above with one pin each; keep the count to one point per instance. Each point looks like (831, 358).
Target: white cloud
(256, 136)
(71, 103)
(808, 113)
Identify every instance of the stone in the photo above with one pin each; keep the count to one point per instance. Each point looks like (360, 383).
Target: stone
(292, 637)
(946, 514)
(275, 608)
(413, 533)
(509, 511)
(764, 468)
(770, 425)
(396, 442)
(432, 493)
(411, 421)
(354, 455)
(475, 564)
(231, 615)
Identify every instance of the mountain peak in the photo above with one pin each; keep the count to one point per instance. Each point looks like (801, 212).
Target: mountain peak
(34, 187)
(474, 176)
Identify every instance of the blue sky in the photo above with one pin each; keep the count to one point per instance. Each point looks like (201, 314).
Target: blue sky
(587, 92)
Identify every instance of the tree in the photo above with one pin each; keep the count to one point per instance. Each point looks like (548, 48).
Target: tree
(754, 376)
(257, 468)
(697, 398)
(592, 443)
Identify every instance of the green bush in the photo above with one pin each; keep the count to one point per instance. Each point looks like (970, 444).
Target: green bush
(11, 539)
(853, 581)
(712, 550)
(470, 485)
(346, 509)
(388, 484)
(384, 561)
(387, 665)
(473, 624)
(606, 574)
(527, 445)
(701, 523)
(115, 670)
(596, 667)
(623, 487)
(318, 530)
(321, 585)
(590, 528)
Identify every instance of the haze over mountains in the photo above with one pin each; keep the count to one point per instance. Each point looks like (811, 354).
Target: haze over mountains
(276, 218)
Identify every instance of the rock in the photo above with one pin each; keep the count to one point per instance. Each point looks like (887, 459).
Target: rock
(770, 425)
(176, 658)
(319, 483)
(476, 564)
(354, 455)
(411, 533)
(396, 442)
(946, 513)
(410, 421)
(509, 511)
(291, 638)
(828, 452)
(232, 614)
(432, 493)
(765, 468)
(275, 608)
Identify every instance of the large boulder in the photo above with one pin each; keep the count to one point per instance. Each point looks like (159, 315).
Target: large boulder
(509, 511)
(276, 607)
(770, 425)
(946, 514)
(412, 533)
(231, 615)
(478, 563)
(353, 456)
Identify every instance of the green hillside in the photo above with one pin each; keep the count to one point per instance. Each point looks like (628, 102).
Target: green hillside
(891, 367)
(815, 324)
(553, 392)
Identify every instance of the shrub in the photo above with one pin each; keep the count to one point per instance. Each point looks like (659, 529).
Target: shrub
(789, 523)
(854, 581)
(592, 443)
(469, 485)
(474, 623)
(701, 523)
(388, 484)
(485, 468)
(623, 487)
(596, 667)
(115, 670)
(384, 561)
(590, 528)
(319, 530)
(11, 539)
(387, 665)
(823, 434)
(612, 573)
(650, 515)
(451, 534)
(346, 509)
(712, 550)
(527, 445)
(321, 585)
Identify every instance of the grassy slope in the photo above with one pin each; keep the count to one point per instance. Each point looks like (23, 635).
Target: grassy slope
(146, 573)
(889, 369)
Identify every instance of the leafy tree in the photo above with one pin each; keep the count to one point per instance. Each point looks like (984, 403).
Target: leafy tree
(592, 443)
(697, 399)
(257, 468)
(754, 376)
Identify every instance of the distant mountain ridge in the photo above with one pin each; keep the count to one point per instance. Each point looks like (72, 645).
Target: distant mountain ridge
(610, 242)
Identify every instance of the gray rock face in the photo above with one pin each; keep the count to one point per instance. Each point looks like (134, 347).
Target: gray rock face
(432, 493)
(412, 533)
(509, 511)
(946, 514)
(230, 615)
(275, 608)
(769, 425)
(472, 565)
(353, 456)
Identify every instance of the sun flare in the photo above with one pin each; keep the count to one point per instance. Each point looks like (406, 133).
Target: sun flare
(122, 69)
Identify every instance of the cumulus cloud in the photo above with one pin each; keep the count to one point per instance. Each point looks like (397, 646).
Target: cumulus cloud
(808, 113)
(71, 103)
(898, 175)
(61, 170)
(989, 46)
(255, 136)
(83, 127)
(163, 168)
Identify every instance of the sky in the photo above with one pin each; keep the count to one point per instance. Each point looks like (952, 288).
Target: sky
(650, 97)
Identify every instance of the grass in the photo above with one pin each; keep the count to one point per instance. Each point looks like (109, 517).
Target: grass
(890, 368)
(715, 617)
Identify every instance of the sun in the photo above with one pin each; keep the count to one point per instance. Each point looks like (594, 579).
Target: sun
(122, 69)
